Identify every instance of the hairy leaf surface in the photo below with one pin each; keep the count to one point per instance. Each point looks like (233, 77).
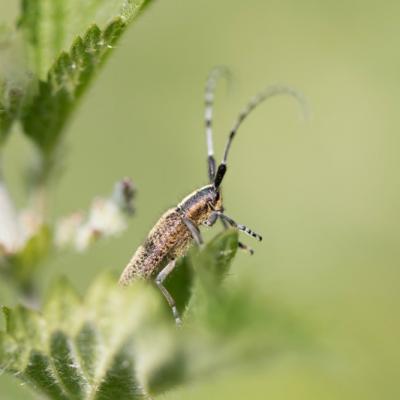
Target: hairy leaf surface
(68, 41)
(123, 342)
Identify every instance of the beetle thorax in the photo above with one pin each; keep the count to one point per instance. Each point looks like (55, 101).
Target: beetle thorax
(199, 205)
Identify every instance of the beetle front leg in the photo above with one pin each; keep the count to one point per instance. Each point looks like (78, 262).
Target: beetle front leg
(159, 282)
(241, 245)
(239, 227)
(212, 219)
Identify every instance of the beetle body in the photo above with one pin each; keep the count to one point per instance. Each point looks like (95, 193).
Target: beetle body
(170, 236)
(179, 226)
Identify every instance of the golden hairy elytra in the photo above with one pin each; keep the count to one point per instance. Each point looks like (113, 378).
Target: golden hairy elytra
(178, 227)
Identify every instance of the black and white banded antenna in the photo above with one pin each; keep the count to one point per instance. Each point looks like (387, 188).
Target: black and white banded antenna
(270, 91)
(209, 95)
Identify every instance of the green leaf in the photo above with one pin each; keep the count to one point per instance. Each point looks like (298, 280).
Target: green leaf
(50, 26)
(69, 40)
(122, 343)
(209, 265)
(212, 264)
(83, 349)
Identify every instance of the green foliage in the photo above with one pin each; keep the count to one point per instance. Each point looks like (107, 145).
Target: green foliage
(66, 50)
(112, 343)
(65, 43)
(122, 343)
(10, 100)
(208, 266)
(50, 26)
(46, 64)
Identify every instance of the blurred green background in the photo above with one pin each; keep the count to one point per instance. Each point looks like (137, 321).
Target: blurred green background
(324, 193)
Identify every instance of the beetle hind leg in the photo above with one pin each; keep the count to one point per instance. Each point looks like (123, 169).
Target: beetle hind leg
(159, 282)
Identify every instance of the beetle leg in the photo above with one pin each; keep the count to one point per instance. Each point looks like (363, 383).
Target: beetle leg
(194, 230)
(240, 227)
(159, 282)
(212, 219)
(240, 244)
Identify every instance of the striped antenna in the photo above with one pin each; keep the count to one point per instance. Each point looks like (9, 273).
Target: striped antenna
(269, 92)
(209, 95)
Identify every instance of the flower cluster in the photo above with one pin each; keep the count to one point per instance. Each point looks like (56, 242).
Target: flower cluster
(105, 218)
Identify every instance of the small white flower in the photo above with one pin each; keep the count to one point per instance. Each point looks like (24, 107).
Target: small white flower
(67, 228)
(106, 217)
(84, 237)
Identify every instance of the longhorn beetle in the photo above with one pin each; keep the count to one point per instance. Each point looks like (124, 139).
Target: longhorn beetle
(179, 226)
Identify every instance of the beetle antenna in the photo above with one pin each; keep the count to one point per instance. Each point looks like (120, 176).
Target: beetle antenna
(270, 91)
(214, 75)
